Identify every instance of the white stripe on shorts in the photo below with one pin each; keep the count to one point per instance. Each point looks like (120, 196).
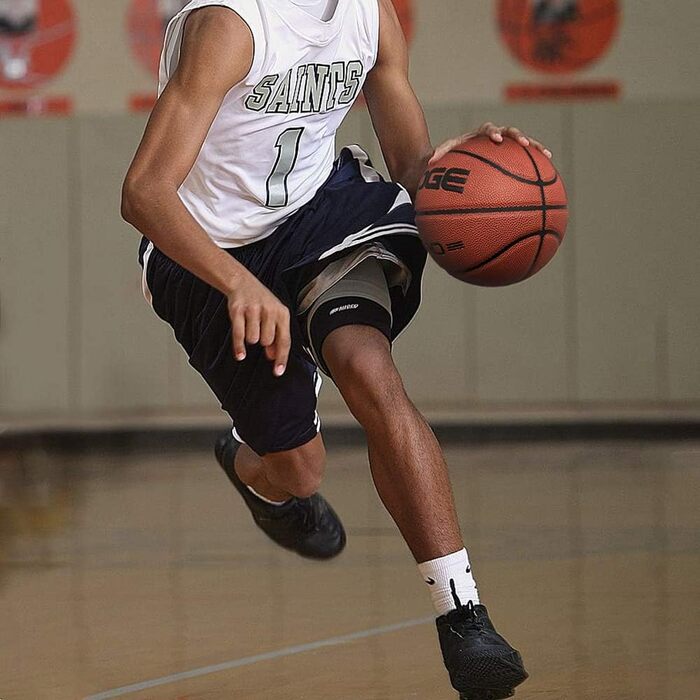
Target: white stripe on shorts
(366, 170)
(369, 234)
(144, 281)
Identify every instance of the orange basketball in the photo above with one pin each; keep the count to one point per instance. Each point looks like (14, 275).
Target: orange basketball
(558, 36)
(492, 214)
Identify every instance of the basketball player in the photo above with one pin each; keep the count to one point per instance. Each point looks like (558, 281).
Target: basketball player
(272, 261)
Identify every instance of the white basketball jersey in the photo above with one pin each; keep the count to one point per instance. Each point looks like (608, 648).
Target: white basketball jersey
(272, 144)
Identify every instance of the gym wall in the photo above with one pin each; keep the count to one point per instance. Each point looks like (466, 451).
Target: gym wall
(610, 326)
(459, 52)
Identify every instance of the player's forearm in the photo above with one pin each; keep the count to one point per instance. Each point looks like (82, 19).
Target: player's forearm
(397, 115)
(405, 141)
(159, 214)
(406, 164)
(400, 125)
(409, 173)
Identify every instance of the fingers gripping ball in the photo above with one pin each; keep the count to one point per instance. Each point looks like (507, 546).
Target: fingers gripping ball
(492, 214)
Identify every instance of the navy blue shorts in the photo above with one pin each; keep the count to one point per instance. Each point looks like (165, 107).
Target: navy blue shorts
(353, 207)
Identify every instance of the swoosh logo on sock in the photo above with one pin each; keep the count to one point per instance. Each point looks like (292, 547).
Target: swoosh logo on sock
(430, 581)
(469, 569)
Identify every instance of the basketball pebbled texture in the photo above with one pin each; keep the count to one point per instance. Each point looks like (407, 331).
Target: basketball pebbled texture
(492, 214)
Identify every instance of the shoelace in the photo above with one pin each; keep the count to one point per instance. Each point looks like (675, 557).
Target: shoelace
(312, 514)
(468, 610)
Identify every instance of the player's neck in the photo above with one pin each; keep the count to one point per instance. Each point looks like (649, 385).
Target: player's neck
(320, 9)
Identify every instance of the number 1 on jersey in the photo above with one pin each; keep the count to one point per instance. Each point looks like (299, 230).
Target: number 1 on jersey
(287, 153)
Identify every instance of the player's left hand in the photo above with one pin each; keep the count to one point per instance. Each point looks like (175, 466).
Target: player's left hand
(496, 133)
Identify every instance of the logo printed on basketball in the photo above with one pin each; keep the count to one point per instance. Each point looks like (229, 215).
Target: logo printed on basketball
(450, 180)
(439, 249)
(506, 225)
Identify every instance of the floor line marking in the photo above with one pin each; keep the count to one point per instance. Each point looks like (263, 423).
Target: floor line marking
(257, 658)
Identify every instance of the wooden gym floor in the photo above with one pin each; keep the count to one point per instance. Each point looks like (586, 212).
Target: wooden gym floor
(139, 575)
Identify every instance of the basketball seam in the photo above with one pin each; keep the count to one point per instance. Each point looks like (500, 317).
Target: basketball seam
(491, 210)
(541, 184)
(501, 169)
(505, 249)
(544, 213)
(551, 232)
(535, 259)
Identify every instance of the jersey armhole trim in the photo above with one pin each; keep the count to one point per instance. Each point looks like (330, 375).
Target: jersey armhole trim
(378, 9)
(178, 25)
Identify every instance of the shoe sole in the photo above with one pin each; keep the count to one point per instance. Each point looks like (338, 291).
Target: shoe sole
(495, 694)
(494, 680)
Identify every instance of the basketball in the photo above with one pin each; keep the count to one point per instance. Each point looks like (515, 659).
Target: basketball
(558, 36)
(492, 214)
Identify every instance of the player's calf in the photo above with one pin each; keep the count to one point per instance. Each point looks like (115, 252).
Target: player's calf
(308, 525)
(364, 371)
(299, 471)
(411, 477)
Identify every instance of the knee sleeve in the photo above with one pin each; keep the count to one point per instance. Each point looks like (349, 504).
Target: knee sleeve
(360, 298)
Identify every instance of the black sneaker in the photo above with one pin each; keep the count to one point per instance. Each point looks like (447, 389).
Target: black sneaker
(308, 526)
(481, 663)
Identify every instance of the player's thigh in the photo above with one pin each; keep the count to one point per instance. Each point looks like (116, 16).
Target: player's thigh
(271, 414)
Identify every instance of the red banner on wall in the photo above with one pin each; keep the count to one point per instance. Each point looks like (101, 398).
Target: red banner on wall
(146, 24)
(37, 38)
(559, 38)
(36, 41)
(404, 10)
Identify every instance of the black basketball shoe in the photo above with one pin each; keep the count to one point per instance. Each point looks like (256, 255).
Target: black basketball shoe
(481, 664)
(308, 526)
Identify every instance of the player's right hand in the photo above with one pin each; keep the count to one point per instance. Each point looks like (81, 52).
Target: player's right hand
(258, 316)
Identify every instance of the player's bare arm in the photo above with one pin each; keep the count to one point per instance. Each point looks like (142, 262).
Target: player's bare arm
(397, 115)
(398, 118)
(216, 54)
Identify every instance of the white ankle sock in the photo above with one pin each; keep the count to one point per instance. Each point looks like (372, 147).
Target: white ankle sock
(438, 573)
(266, 500)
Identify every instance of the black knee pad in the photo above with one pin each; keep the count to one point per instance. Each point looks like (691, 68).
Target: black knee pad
(344, 311)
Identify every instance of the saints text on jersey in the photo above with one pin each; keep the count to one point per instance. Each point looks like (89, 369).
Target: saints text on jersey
(311, 88)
